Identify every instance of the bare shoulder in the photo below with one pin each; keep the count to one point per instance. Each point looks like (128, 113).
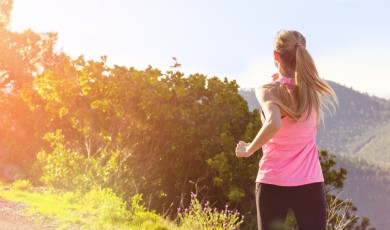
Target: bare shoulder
(266, 92)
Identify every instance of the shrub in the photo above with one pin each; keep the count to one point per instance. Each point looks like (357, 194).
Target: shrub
(109, 207)
(23, 185)
(198, 216)
(144, 219)
(338, 216)
(68, 169)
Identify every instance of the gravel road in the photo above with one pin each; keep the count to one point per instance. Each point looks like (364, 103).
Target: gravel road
(12, 217)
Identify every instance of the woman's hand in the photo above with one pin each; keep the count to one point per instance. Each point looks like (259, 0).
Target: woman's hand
(242, 149)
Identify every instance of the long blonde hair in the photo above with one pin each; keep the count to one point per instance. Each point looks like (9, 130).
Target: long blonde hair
(311, 92)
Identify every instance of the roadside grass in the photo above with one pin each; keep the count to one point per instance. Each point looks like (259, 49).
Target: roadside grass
(97, 209)
(103, 209)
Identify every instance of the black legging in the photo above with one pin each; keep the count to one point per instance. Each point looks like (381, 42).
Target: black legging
(307, 202)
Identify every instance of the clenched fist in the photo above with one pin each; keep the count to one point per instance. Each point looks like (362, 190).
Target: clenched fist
(242, 149)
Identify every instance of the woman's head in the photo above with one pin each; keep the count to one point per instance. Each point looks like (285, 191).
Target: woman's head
(311, 92)
(286, 44)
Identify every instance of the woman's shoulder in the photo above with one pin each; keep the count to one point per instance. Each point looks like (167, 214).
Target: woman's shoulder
(266, 91)
(268, 87)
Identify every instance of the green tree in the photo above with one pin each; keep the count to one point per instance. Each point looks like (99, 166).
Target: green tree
(176, 127)
(23, 56)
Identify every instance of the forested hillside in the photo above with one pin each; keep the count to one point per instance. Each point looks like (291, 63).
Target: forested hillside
(360, 126)
(368, 187)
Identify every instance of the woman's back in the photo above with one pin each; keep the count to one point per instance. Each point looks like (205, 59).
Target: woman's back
(290, 157)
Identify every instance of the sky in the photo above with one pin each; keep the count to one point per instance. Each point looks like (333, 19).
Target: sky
(348, 39)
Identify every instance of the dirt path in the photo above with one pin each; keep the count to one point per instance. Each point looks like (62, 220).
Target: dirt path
(12, 218)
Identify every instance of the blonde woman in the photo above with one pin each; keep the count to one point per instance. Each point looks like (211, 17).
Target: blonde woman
(290, 174)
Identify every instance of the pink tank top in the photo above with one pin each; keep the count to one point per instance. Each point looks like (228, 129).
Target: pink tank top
(290, 158)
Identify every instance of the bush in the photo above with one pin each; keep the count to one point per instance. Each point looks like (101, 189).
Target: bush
(198, 216)
(111, 210)
(109, 207)
(143, 219)
(71, 170)
(22, 185)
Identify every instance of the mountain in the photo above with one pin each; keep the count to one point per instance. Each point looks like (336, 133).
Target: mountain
(368, 187)
(360, 126)
(358, 133)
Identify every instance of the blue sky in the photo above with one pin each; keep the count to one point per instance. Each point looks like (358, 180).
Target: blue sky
(349, 40)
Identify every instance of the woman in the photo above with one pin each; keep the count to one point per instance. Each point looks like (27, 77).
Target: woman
(290, 174)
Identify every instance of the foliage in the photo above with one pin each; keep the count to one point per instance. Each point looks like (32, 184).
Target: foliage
(23, 56)
(334, 179)
(101, 207)
(90, 210)
(338, 216)
(198, 216)
(102, 110)
(69, 170)
(23, 185)
(143, 219)
(5, 11)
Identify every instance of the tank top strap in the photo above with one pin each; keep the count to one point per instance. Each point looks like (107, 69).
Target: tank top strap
(286, 80)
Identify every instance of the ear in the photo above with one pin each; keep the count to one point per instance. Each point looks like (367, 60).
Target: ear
(276, 56)
(276, 59)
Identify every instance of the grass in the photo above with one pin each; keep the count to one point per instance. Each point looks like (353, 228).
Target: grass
(97, 209)
(103, 209)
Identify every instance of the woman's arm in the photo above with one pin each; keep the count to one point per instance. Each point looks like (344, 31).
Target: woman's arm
(271, 125)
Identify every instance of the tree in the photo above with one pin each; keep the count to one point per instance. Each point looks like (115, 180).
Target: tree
(5, 12)
(176, 127)
(23, 56)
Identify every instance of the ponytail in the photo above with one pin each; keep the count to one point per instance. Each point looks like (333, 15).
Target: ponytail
(311, 93)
